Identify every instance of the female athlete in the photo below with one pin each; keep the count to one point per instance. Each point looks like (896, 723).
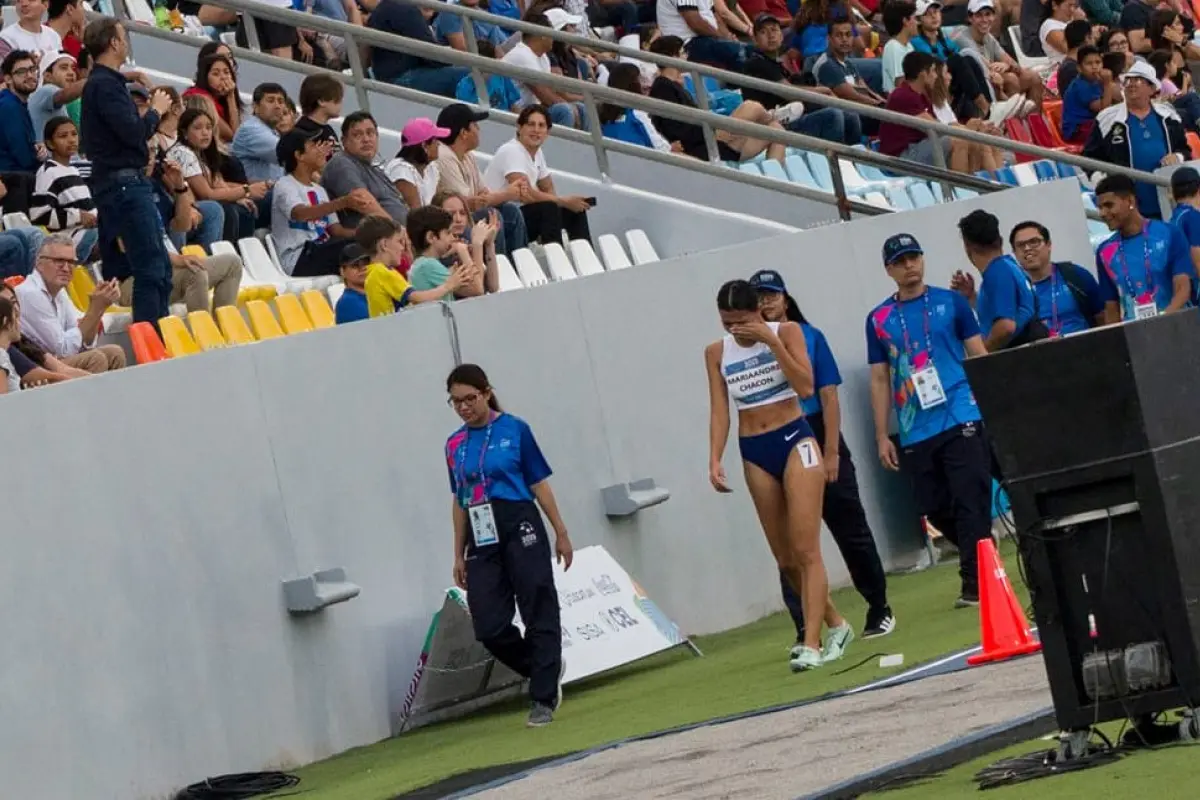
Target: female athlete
(765, 367)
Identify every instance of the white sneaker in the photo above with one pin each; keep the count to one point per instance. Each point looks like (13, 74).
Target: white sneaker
(562, 671)
(805, 658)
(836, 642)
(1005, 109)
(788, 112)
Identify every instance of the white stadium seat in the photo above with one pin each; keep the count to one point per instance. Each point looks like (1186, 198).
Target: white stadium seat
(334, 293)
(584, 257)
(613, 253)
(639, 247)
(559, 264)
(528, 268)
(17, 219)
(508, 278)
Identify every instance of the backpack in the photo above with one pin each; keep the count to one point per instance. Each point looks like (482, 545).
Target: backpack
(1035, 330)
(1072, 275)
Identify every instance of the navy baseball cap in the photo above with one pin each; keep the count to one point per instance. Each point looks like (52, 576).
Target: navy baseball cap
(900, 245)
(768, 280)
(1185, 177)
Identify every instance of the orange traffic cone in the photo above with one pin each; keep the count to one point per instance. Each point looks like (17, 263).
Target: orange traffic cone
(1003, 627)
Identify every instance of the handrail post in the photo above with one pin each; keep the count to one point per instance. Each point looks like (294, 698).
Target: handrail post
(839, 185)
(121, 12)
(249, 23)
(358, 73)
(710, 137)
(593, 114)
(481, 90)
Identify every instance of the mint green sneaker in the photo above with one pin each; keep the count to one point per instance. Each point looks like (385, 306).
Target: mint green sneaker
(805, 658)
(836, 642)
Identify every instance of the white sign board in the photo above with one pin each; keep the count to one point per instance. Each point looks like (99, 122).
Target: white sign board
(607, 621)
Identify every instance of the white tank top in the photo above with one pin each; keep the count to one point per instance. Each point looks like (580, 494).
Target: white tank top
(753, 374)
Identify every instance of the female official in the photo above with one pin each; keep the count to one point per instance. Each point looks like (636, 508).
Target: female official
(765, 367)
(501, 551)
(842, 508)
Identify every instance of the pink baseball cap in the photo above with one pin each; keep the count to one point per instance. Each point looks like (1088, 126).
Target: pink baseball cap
(420, 131)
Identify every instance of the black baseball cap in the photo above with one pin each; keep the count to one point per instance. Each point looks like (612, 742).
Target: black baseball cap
(291, 143)
(1185, 178)
(768, 280)
(457, 117)
(900, 245)
(764, 19)
(353, 255)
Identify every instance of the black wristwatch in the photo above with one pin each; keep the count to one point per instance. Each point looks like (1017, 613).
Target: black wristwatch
(184, 190)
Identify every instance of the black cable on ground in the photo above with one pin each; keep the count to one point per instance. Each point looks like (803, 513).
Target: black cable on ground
(1044, 763)
(239, 786)
(860, 663)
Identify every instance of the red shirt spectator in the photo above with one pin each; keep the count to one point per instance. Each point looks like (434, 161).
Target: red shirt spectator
(776, 8)
(895, 139)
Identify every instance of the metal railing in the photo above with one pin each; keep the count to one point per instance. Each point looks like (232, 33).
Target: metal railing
(595, 94)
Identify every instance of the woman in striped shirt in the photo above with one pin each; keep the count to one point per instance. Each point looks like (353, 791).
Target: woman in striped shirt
(61, 199)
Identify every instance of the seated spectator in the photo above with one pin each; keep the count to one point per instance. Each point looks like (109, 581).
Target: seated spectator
(255, 141)
(429, 231)
(354, 168)
(778, 9)
(1117, 41)
(166, 135)
(202, 164)
(59, 87)
(304, 220)
(911, 98)
(503, 93)
(1135, 20)
(67, 19)
(17, 153)
(275, 38)
(1092, 91)
(967, 80)
(34, 365)
(448, 29)
(521, 161)
(1077, 34)
(628, 15)
(1167, 31)
(18, 248)
(668, 86)
(215, 80)
(412, 22)
(1051, 33)
(10, 331)
(320, 102)
(705, 35)
(62, 202)
(836, 71)
(1103, 12)
(900, 21)
(766, 63)
(481, 236)
(979, 156)
(191, 276)
(28, 33)
(50, 319)
(1007, 77)
(532, 52)
(415, 170)
(1176, 85)
(459, 173)
(631, 125)
(1139, 133)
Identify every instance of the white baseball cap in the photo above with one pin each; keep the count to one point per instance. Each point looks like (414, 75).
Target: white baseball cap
(1141, 69)
(52, 58)
(560, 19)
(925, 5)
(975, 6)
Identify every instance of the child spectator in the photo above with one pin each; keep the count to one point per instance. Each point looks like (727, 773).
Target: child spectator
(486, 227)
(10, 331)
(1078, 33)
(429, 229)
(1091, 92)
(503, 93)
(1176, 85)
(61, 199)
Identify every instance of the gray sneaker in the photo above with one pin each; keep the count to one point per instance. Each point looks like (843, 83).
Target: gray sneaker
(539, 716)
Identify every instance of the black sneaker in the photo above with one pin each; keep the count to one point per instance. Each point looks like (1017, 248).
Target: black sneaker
(967, 600)
(540, 716)
(880, 622)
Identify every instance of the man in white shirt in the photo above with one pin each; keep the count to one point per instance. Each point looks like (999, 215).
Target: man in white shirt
(707, 38)
(28, 33)
(50, 319)
(532, 53)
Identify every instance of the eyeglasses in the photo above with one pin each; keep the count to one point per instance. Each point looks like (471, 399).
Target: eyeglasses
(465, 400)
(1029, 244)
(58, 262)
(23, 72)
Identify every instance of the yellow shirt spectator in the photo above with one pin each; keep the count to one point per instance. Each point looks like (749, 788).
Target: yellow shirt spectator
(386, 290)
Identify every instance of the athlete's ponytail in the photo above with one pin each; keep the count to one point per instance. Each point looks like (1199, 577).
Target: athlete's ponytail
(737, 296)
(473, 375)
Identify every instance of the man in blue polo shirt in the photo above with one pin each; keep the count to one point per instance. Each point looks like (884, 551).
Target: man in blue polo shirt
(1005, 304)
(1068, 297)
(1145, 267)
(916, 342)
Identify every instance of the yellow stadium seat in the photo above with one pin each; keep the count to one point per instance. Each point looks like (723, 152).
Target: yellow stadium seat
(262, 321)
(248, 293)
(193, 250)
(291, 314)
(205, 331)
(318, 309)
(74, 295)
(176, 338)
(233, 326)
(80, 291)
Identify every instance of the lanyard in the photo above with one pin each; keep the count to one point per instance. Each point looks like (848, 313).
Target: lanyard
(904, 325)
(1146, 262)
(461, 457)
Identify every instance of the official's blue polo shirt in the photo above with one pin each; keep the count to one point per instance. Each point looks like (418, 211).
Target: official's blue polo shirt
(1005, 293)
(825, 368)
(1142, 265)
(512, 463)
(940, 319)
